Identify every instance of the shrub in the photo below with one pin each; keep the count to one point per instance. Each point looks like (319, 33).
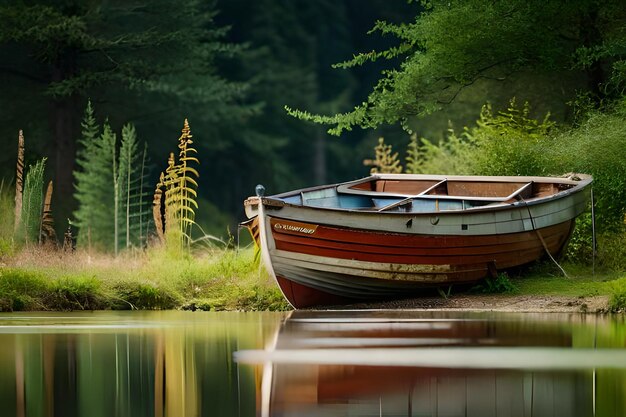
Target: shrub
(509, 142)
(579, 250)
(597, 147)
(500, 284)
(617, 301)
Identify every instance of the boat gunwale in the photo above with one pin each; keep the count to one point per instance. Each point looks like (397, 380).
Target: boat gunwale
(277, 201)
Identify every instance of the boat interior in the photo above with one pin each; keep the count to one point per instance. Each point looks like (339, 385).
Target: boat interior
(426, 194)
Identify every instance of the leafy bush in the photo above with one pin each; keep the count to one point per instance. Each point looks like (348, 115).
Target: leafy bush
(510, 142)
(452, 156)
(612, 250)
(617, 301)
(596, 147)
(500, 284)
(579, 250)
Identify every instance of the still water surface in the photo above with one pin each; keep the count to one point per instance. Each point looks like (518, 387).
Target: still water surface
(365, 363)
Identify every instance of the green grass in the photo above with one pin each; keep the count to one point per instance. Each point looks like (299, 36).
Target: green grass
(617, 302)
(545, 279)
(217, 280)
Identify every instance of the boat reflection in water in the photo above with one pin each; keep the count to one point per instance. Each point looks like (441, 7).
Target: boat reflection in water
(393, 363)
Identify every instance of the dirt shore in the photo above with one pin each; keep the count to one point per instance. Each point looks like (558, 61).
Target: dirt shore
(504, 303)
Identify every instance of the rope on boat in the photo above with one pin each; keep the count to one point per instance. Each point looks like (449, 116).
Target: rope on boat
(543, 242)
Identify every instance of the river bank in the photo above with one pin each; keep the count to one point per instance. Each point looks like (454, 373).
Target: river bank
(231, 279)
(497, 303)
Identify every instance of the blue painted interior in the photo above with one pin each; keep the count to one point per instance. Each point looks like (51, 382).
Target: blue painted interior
(329, 198)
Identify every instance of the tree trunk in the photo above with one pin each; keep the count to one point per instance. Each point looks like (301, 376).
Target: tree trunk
(64, 125)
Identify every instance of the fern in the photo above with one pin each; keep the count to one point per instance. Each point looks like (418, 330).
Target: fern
(385, 161)
(414, 159)
(179, 185)
(30, 218)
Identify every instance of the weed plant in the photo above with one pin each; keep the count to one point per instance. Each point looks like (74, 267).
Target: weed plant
(498, 285)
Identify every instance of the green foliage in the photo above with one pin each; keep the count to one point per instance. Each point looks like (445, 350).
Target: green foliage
(179, 185)
(144, 296)
(509, 142)
(131, 179)
(597, 147)
(451, 156)
(262, 298)
(386, 161)
(617, 301)
(579, 250)
(110, 187)
(76, 293)
(7, 212)
(32, 204)
(20, 290)
(612, 250)
(500, 284)
(451, 45)
(94, 184)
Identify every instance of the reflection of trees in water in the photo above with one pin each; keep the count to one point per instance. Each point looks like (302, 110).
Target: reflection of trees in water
(186, 370)
(173, 371)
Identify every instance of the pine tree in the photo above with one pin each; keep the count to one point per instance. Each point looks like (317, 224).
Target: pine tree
(95, 185)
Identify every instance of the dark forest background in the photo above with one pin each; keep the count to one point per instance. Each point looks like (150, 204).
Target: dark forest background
(231, 67)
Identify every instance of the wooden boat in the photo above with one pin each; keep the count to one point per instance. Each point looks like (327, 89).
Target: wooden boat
(390, 235)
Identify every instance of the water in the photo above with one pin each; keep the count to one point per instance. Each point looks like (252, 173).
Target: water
(390, 363)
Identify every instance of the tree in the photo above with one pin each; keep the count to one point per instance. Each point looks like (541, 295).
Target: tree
(96, 189)
(126, 53)
(453, 44)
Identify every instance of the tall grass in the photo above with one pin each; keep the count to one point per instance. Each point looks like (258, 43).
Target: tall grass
(218, 280)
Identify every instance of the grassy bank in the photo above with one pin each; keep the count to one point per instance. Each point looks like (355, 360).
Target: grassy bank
(35, 279)
(544, 279)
